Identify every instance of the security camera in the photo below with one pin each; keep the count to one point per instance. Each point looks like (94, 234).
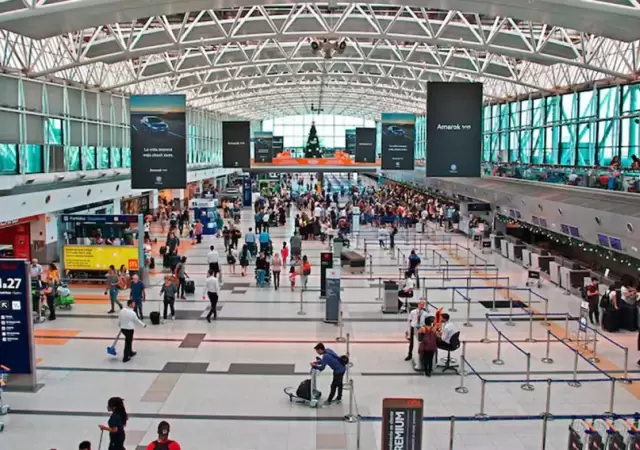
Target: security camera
(341, 45)
(315, 46)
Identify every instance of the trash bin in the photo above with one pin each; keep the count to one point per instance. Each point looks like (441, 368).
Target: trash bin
(390, 297)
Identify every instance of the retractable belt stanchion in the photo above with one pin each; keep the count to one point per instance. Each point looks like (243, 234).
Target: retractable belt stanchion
(371, 267)
(468, 285)
(485, 339)
(379, 289)
(547, 359)
(530, 337)
(493, 302)
(453, 301)
(527, 386)
(483, 389)
(452, 426)
(545, 322)
(301, 311)
(350, 417)
(612, 395)
(546, 415)
(463, 360)
(340, 337)
(625, 373)
(575, 382)
(498, 359)
(566, 328)
(510, 322)
(468, 322)
(594, 358)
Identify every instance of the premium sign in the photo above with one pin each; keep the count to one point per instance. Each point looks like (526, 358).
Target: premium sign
(454, 129)
(402, 423)
(398, 141)
(366, 145)
(158, 142)
(236, 145)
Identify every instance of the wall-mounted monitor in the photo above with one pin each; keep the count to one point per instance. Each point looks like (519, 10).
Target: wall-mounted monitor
(535, 220)
(574, 232)
(615, 243)
(512, 212)
(543, 222)
(603, 240)
(518, 215)
(564, 228)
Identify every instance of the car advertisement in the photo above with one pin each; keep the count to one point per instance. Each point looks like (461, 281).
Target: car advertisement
(263, 146)
(350, 141)
(398, 141)
(236, 145)
(158, 142)
(100, 257)
(365, 145)
(454, 129)
(277, 145)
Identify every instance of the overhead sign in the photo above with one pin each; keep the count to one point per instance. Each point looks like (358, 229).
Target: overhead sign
(402, 423)
(122, 219)
(454, 129)
(263, 146)
(366, 145)
(398, 141)
(236, 145)
(158, 141)
(11, 223)
(100, 257)
(16, 328)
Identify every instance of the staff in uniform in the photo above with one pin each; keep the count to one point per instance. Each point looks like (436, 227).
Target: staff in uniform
(127, 321)
(417, 319)
(212, 290)
(213, 258)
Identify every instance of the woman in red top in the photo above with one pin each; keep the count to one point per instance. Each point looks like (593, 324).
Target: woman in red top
(284, 253)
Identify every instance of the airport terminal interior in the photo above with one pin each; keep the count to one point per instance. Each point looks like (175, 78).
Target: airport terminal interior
(319, 226)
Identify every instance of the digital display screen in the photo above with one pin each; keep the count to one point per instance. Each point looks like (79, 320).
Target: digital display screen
(564, 228)
(615, 243)
(574, 232)
(518, 215)
(512, 213)
(603, 240)
(543, 222)
(535, 220)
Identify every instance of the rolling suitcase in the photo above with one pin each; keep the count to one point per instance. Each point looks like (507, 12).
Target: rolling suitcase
(190, 287)
(154, 317)
(304, 390)
(610, 321)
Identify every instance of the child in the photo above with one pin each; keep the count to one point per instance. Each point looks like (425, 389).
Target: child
(292, 276)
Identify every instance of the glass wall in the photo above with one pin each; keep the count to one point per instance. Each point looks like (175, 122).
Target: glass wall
(330, 129)
(579, 128)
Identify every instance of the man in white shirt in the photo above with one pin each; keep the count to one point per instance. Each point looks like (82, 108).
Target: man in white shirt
(213, 258)
(35, 269)
(417, 319)
(212, 290)
(317, 212)
(448, 330)
(406, 291)
(127, 321)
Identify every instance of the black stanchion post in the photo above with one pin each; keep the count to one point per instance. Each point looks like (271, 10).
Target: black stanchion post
(612, 395)
(452, 425)
(527, 386)
(452, 308)
(463, 361)
(547, 359)
(371, 267)
(483, 389)
(498, 359)
(575, 382)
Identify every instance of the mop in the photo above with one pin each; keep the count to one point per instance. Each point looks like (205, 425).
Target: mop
(100, 443)
(112, 349)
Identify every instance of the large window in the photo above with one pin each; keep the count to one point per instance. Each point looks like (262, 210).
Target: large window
(330, 128)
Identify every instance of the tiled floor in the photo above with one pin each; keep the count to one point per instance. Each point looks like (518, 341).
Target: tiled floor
(220, 385)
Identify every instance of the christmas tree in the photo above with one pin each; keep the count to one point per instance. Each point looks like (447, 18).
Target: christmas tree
(312, 150)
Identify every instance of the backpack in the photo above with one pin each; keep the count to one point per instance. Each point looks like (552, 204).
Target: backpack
(605, 303)
(344, 359)
(162, 445)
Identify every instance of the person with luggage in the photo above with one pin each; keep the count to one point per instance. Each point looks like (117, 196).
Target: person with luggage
(296, 245)
(213, 258)
(181, 274)
(113, 288)
(172, 244)
(428, 347)
(138, 294)
(163, 442)
(127, 322)
(116, 424)
(250, 241)
(327, 357)
(265, 242)
(170, 290)
(49, 293)
(212, 292)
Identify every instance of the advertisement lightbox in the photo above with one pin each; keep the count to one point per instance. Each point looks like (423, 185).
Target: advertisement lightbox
(398, 141)
(236, 145)
(365, 145)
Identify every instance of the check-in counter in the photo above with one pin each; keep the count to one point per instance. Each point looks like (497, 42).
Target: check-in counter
(517, 252)
(564, 281)
(504, 248)
(496, 242)
(526, 257)
(535, 261)
(554, 272)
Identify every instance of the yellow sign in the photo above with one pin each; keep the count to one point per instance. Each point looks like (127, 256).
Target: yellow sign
(100, 257)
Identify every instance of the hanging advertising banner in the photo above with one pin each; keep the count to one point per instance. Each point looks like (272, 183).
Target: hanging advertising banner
(398, 141)
(263, 146)
(158, 141)
(236, 145)
(277, 145)
(454, 129)
(350, 141)
(366, 145)
(246, 191)
(402, 423)
(100, 257)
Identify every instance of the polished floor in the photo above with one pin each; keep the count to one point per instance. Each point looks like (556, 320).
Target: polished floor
(220, 385)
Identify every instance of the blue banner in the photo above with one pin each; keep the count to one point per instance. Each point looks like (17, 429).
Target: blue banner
(246, 191)
(122, 219)
(16, 330)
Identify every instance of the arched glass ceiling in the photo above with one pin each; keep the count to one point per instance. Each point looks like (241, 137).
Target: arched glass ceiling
(255, 61)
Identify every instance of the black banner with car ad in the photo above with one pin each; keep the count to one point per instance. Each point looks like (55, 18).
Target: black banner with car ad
(398, 141)
(350, 141)
(236, 145)
(263, 146)
(277, 145)
(366, 145)
(454, 129)
(158, 141)
(402, 423)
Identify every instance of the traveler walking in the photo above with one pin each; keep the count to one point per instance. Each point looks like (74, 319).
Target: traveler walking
(212, 292)
(170, 290)
(182, 276)
(113, 288)
(116, 424)
(213, 258)
(138, 294)
(127, 321)
(163, 442)
(276, 267)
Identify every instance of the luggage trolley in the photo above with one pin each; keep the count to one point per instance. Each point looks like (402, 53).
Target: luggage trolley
(533, 278)
(4, 409)
(583, 436)
(314, 401)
